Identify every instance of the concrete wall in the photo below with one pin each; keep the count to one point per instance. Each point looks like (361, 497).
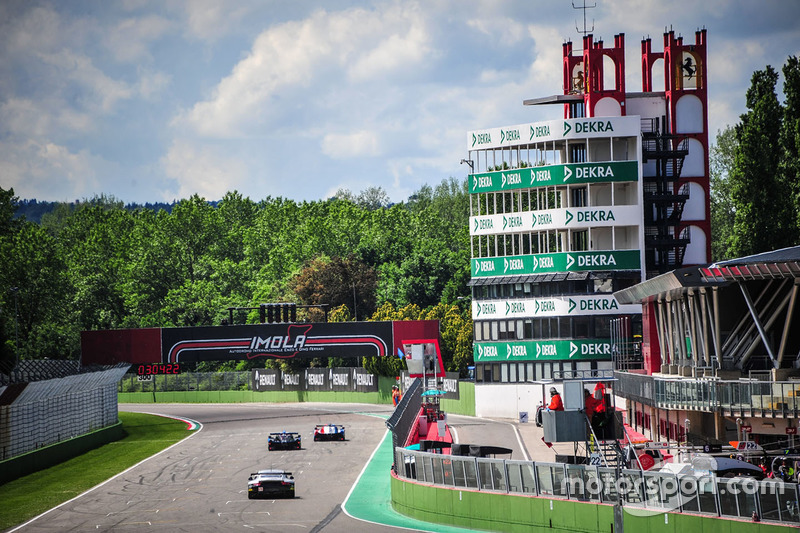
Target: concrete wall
(512, 513)
(508, 400)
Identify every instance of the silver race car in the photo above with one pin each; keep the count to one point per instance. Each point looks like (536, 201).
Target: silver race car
(269, 484)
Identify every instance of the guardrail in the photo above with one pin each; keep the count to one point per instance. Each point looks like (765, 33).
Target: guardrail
(402, 421)
(639, 492)
(747, 398)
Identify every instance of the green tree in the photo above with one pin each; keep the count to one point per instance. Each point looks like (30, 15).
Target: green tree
(95, 243)
(336, 281)
(722, 206)
(790, 135)
(762, 210)
(35, 275)
(8, 227)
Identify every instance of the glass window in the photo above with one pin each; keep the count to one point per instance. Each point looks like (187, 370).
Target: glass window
(470, 473)
(581, 325)
(512, 373)
(545, 328)
(504, 373)
(459, 479)
(544, 479)
(602, 327)
(438, 471)
(564, 327)
(603, 285)
(520, 330)
(485, 336)
(527, 329)
(496, 372)
(580, 240)
(494, 327)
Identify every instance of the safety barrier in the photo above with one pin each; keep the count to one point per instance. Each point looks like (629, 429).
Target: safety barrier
(639, 492)
(38, 414)
(402, 421)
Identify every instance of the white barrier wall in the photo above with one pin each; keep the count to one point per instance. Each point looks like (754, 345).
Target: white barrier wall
(508, 400)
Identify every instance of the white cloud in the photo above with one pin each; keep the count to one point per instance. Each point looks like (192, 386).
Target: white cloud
(130, 39)
(79, 69)
(358, 144)
(393, 54)
(311, 53)
(204, 170)
(152, 83)
(26, 118)
(210, 20)
(31, 168)
(504, 30)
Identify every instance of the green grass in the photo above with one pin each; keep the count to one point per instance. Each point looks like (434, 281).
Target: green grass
(29, 496)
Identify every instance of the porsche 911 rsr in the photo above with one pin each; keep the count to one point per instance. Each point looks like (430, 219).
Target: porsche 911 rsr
(269, 484)
(329, 432)
(286, 440)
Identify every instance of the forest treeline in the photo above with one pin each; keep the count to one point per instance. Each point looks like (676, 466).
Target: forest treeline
(98, 264)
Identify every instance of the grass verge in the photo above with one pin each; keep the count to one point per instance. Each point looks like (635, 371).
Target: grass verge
(29, 496)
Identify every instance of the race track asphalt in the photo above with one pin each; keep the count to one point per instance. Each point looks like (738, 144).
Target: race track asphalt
(200, 484)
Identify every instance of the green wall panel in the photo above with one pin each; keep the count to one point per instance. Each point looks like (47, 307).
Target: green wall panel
(383, 396)
(513, 513)
(465, 405)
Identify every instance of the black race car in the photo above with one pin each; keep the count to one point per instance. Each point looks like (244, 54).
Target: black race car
(329, 432)
(286, 440)
(270, 483)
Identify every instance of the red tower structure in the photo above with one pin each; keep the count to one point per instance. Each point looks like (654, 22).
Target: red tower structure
(675, 149)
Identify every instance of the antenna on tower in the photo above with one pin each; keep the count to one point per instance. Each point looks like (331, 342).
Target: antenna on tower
(584, 7)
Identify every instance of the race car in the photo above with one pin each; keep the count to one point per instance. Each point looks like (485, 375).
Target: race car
(328, 432)
(285, 440)
(270, 483)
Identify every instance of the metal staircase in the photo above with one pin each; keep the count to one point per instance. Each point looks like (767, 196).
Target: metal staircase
(664, 199)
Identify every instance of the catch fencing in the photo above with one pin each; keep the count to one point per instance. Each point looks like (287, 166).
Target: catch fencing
(405, 415)
(639, 492)
(41, 413)
(186, 381)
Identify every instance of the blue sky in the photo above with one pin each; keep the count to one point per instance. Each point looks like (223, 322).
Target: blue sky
(158, 100)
